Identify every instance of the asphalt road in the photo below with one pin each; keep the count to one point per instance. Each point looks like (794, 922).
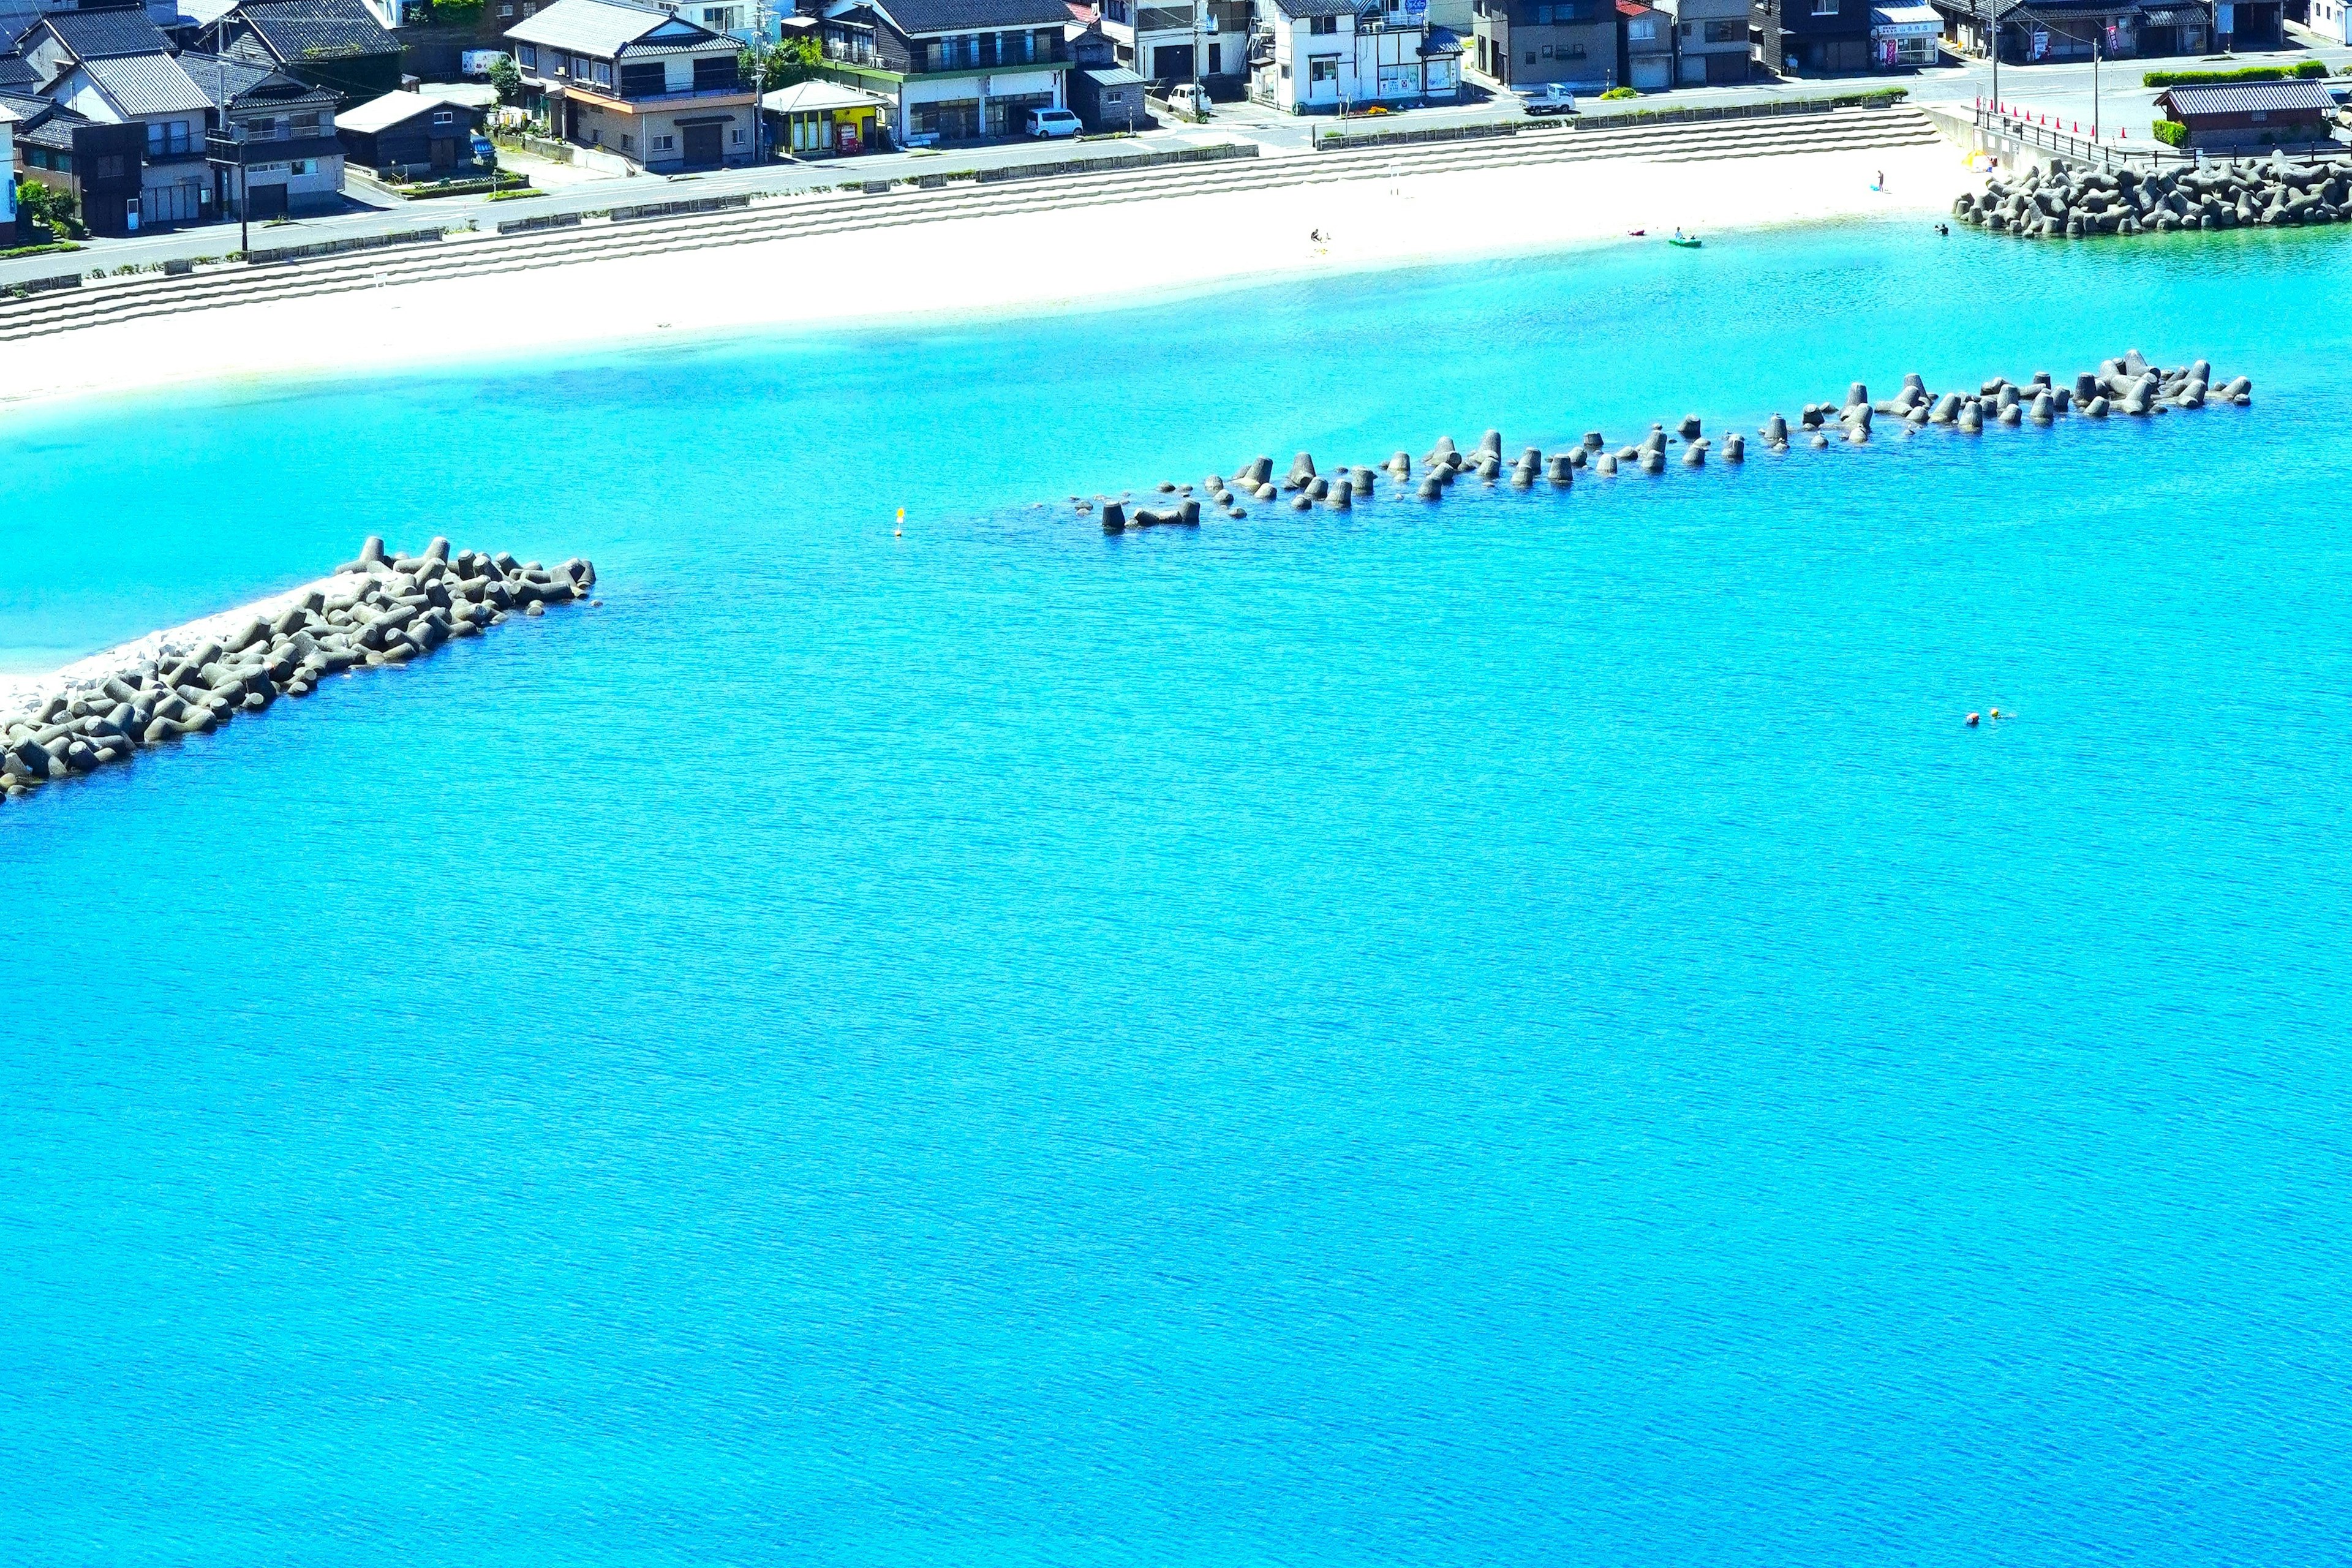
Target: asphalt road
(2066, 92)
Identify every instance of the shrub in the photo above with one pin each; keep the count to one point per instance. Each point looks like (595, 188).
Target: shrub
(1617, 92)
(2172, 133)
(2304, 70)
(48, 206)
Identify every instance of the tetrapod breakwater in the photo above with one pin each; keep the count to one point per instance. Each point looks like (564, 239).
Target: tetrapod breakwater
(2127, 385)
(375, 611)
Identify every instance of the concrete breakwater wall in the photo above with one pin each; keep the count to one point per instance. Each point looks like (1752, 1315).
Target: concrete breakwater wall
(375, 611)
(2070, 203)
(2127, 385)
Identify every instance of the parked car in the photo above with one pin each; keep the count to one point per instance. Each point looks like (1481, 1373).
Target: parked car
(474, 65)
(1045, 123)
(1551, 98)
(1191, 101)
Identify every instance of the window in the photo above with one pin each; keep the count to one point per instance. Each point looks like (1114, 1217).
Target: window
(1727, 32)
(1322, 70)
(664, 144)
(109, 166)
(303, 125)
(527, 57)
(1825, 7)
(1546, 52)
(1285, 73)
(303, 166)
(738, 139)
(1641, 29)
(167, 138)
(644, 80)
(722, 19)
(628, 143)
(603, 73)
(444, 118)
(1531, 57)
(505, 11)
(1319, 26)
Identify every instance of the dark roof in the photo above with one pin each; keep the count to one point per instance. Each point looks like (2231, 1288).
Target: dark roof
(1111, 76)
(26, 106)
(976, 15)
(226, 80)
(16, 72)
(2247, 97)
(1295, 8)
(104, 35)
(297, 30)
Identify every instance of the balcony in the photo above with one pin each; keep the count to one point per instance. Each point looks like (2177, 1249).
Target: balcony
(734, 86)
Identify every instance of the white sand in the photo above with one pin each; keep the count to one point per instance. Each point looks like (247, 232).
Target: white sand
(19, 693)
(1027, 262)
(1024, 262)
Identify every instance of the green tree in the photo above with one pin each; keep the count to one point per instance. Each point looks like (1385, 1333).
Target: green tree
(507, 78)
(793, 60)
(46, 204)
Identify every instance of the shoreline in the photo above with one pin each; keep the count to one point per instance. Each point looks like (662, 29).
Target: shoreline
(1022, 264)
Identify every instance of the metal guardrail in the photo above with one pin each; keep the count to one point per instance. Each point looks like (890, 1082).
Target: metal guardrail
(2050, 139)
(540, 221)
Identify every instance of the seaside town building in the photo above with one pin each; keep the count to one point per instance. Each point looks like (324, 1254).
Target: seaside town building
(2332, 20)
(1523, 44)
(9, 228)
(272, 145)
(1204, 41)
(337, 45)
(2032, 31)
(821, 118)
(1105, 95)
(952, 70)
(658, 91)
(1815, 38)
(1332, 56)
(1711, 42)
(409, 135)
(2235, 117)
(1645, 47)
(1906, 35)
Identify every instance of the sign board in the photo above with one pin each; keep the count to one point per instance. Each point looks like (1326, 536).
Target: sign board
(2041, 43)
(1417, 8)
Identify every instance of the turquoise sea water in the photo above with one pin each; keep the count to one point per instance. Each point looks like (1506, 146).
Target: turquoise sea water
(1521, 1032)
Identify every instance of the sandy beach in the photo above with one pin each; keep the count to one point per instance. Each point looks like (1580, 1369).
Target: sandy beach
(1033, 261)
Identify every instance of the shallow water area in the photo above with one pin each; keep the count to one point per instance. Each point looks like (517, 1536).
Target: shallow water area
(1522, 1031)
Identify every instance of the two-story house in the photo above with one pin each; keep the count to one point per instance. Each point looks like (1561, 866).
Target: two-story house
(1205, 41)
(273, 144)
(954, 70)
(155, 94)
(660, 91)
(1813, 37)
(1645, 47)
(1332, 56)
(1535, 43)
(1711, 44)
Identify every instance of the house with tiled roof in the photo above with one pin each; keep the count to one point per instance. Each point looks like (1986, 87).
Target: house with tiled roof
(337, 45)
(1326, 57)
(55, 42)
(953, 71)
(656, 91)
(274, 141)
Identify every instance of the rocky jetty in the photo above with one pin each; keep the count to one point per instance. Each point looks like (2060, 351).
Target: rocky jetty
(2127, 385)
(375, 611)
(2065, 203)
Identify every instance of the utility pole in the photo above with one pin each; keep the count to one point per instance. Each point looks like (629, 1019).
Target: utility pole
(2094, 84)
(758, 82)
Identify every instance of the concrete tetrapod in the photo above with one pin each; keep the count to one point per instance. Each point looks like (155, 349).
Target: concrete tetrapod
(375, 611)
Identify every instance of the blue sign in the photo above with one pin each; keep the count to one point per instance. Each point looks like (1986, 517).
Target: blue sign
(1417, 8)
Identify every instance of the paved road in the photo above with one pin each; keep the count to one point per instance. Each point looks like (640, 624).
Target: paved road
(2064, 91)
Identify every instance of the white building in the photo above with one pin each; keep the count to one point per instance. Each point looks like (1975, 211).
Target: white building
(7, 173)
(2332, 19)
(1189, 40)
(1332, 56)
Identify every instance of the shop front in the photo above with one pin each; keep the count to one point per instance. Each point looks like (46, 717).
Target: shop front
(825, 119)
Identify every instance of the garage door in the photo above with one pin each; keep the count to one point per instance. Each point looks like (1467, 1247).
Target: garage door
(702, 145)
(1652, 76)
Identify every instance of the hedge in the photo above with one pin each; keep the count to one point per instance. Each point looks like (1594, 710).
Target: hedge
(2172, 133)
(2304, 70)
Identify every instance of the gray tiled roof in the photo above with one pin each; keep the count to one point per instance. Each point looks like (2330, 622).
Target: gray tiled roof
(14, 72)
(2247, 97)
(972, 15)
(224, 80)
(100, 34)
(147, 84)
(298, 30)
(1296, 8)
